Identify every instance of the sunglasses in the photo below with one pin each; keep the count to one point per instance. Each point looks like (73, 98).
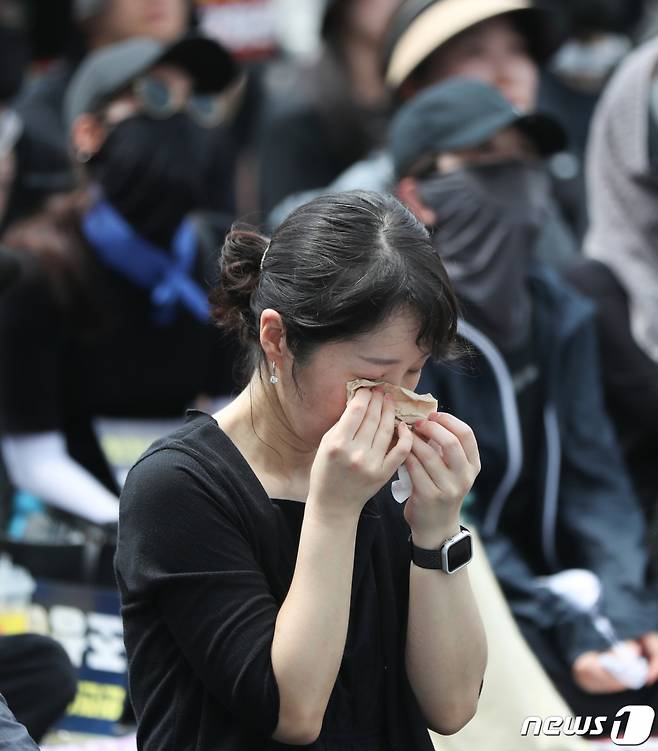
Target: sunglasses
(161, 99)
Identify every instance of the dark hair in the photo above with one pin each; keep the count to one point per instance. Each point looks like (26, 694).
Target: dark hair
(337, 267)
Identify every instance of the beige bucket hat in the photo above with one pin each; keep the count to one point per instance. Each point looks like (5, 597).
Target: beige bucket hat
(420, 27)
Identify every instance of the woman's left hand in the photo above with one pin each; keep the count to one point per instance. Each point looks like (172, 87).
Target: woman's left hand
(443, 465)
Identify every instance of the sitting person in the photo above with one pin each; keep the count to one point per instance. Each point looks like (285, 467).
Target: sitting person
(320, 118)
(553, 494)
(429, 41)
(621, 273)
(112, 317)
(43, 164)
(271, 590)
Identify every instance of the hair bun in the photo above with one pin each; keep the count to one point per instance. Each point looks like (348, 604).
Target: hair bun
(239, 275)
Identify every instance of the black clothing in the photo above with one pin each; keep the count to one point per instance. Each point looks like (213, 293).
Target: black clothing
(37, 680)
(204, 562)
(630, 377)
(103, 355)
(312, 129)
(574, 110)
(525, 365)
(363, 661)
(630, 380)
(44, 164)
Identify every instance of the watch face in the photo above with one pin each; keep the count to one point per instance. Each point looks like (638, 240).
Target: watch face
(460, 553)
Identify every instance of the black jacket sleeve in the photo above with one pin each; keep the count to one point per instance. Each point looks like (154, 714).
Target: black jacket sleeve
(30, 357)
(182, 546)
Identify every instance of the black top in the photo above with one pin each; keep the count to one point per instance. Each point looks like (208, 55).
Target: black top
(102, 354)
(630, 377)
(204, 562)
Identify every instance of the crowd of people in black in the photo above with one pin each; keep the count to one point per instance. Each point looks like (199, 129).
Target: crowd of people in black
(459, 193)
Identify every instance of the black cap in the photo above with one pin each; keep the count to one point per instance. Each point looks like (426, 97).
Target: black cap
(109, 70)
(461, 113)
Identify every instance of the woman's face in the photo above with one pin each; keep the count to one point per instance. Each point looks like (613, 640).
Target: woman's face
(163, 20)
(388, 353)
(493, 52)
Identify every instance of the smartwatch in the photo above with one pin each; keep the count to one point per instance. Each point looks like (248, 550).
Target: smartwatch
(454, 553)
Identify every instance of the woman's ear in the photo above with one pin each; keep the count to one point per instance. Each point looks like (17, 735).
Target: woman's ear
(273, 336)
(87, 136)
(408, 193)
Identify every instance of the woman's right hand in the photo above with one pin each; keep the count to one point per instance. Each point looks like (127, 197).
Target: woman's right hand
(355, 458)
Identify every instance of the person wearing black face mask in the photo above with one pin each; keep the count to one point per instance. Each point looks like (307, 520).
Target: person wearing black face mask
(553, 495)
(111, 317)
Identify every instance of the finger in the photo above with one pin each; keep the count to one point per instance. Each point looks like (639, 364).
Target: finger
(354, 413)
(386, 429)
(365, 433)
(401, 451)
(450, 481)
(452, 451)
(423, 485)
(431, 458)
(463, 432)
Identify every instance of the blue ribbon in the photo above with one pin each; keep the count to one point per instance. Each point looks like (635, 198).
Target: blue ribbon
(167, 276)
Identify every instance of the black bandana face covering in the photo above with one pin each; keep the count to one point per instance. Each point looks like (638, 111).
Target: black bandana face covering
(488, 219)
(154, 172)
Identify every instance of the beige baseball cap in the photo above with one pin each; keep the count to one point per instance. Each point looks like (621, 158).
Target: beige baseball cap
(421, 27)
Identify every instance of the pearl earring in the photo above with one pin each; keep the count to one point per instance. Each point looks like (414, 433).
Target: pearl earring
(274, 378)
(83, 156)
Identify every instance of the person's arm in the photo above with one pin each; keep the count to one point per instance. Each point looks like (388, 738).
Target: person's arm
(311, 626)
(351, 465)
(13, 736)
(446, 651)
(40, 464)
(273, 668)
